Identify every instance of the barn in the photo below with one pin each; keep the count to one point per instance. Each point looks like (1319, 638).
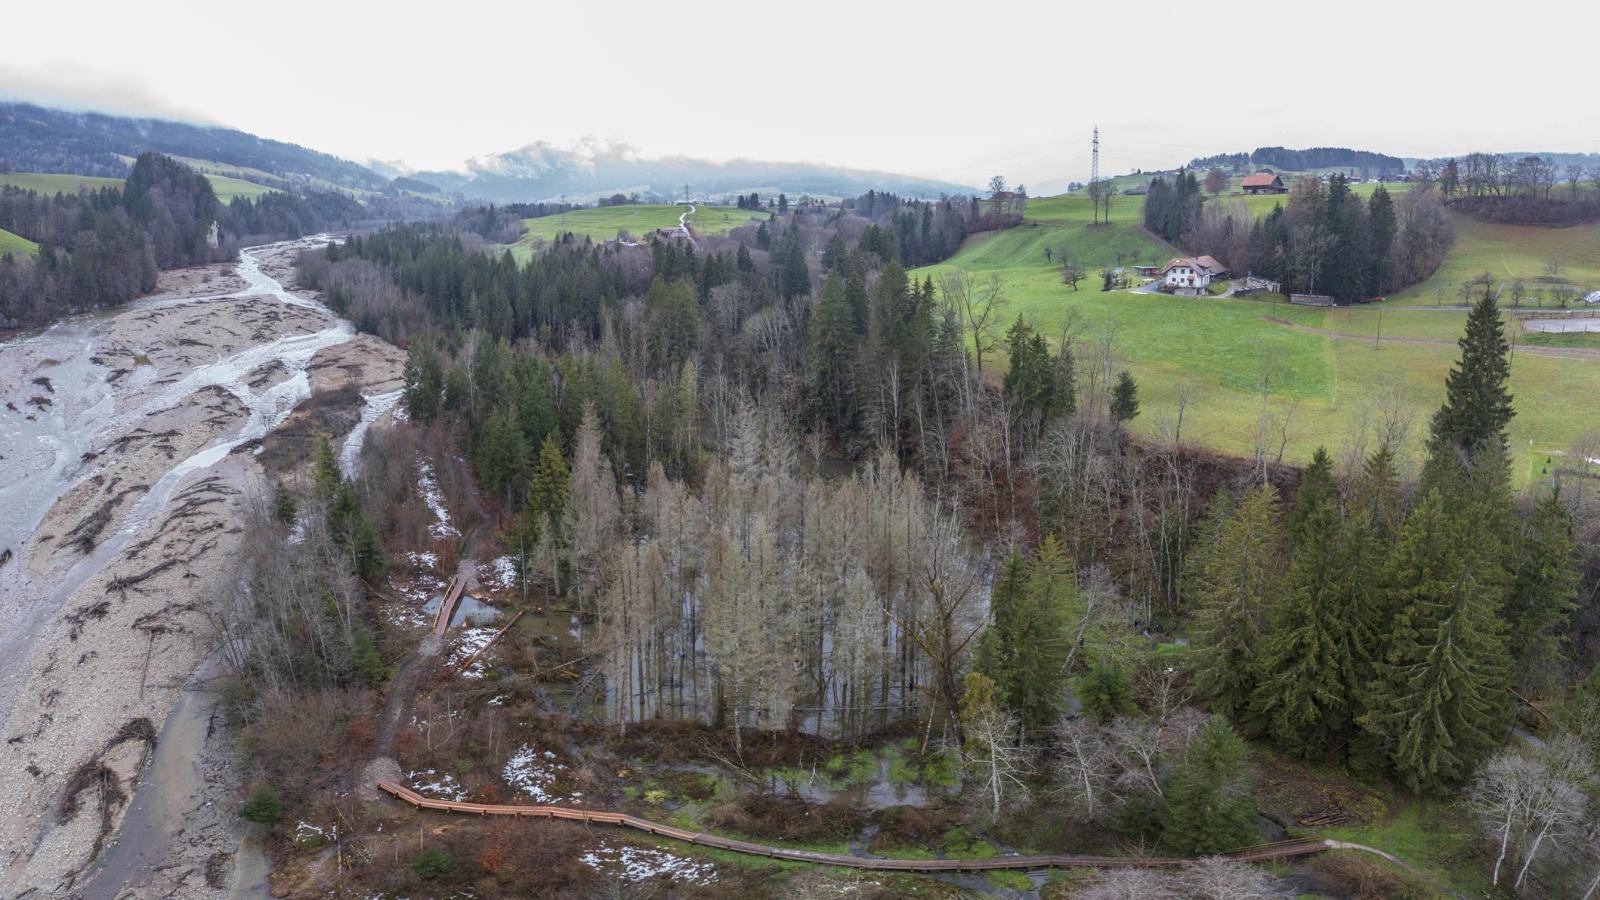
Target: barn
(1264, 183)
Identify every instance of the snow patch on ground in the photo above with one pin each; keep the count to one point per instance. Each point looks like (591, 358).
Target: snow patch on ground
(468, 642)
(309, 835)
(535, 774)
(428, 486)
(637, 864)
(416, 589)
(500, 572)
(435, 786)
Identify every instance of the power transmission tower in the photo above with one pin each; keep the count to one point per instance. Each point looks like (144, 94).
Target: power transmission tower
(1094, 174)
(686, 193)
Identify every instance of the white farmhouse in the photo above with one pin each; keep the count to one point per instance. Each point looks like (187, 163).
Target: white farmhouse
(1191, 273)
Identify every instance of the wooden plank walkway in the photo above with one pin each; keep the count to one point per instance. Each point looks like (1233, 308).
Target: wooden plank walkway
(447, 608)
(1264, 852)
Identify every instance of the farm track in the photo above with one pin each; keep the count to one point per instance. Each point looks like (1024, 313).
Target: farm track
(1262, 853)
(1532, 350)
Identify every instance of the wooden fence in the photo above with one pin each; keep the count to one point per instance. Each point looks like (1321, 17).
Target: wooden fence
(1262, 853)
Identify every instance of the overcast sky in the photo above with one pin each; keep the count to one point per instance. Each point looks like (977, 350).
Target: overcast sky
(954, 91)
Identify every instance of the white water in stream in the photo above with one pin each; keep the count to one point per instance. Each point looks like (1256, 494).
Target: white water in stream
(44, 457)
(87, 415)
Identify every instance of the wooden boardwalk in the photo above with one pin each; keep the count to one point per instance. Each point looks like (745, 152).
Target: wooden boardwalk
(447, 606)
(1262, 853)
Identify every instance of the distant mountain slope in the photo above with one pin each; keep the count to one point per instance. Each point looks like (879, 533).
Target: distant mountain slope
(36, 139)
(541, 171)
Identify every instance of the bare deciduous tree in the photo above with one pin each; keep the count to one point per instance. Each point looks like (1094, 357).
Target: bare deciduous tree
(1085, 769)
(1216, 878)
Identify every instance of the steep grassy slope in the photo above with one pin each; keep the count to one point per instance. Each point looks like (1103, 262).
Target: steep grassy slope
(13, 243)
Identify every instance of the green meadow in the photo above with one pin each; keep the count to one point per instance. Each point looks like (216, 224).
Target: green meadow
(16, 243)
(49, 183)
(1509, 253)
(604, 222)
(226, 186)
(1217, 351)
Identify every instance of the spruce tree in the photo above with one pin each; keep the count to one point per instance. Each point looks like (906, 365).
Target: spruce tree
(1025, 650)
(1125, 399)
(1300, 697)
(1206, 534)
(1439, 701)
(1377, 493)
(325, 474)
(1362, 555)
(1317, 493)
(1544, 594)
(424, 380)
(1206, 807)
(833, 352)
(1240, 578)
(1477, 405)
(548, 489)
(1381, 220)
(500, 453)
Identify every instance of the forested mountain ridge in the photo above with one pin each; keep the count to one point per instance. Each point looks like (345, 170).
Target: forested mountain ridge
(36, 139)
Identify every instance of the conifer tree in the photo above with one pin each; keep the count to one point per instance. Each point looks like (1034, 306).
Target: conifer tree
(500, 454)
(325, 473)
(833, 346)
(424, 380)
(1206, 534)
(1477, 405)
(1205, 806)
(1544, 594)
(1025, 650)
(1362, 555)
(1377, 493)
(1306, 665)
(548, 489)
(1240, 578)
(1317, 493)
(1439, 702)
(1125, 398)
(1106, 692)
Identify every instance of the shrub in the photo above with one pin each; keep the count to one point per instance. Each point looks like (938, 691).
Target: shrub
(433, 863)
(262, 807)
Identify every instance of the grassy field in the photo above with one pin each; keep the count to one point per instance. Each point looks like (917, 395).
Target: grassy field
(1510, 252)
(1215, 351)
(15, 243)
(57, 184)
(226, 186)
(603, 223)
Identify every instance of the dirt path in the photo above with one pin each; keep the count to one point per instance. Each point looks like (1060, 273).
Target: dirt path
(1530, 349)
(412, 668)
